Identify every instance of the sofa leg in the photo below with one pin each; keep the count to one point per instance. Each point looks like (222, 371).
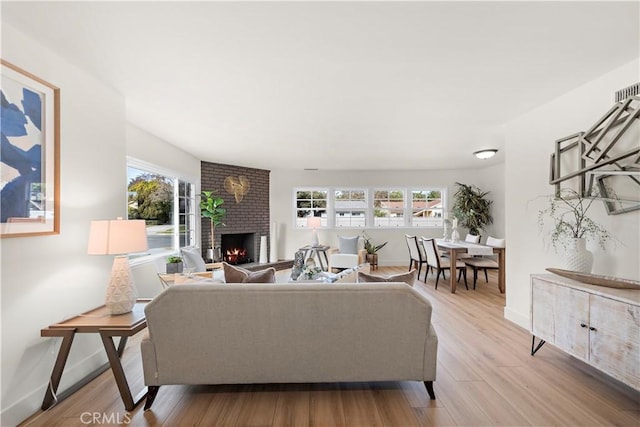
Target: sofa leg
(151, 396)
(429, 386)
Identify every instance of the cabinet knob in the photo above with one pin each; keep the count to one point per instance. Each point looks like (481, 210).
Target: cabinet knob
(582, 325)
(591, 328)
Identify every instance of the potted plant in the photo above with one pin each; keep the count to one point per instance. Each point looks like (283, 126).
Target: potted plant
(174, 265)
(372, 250)
(211, 207)
(472, 208)
(572, 227)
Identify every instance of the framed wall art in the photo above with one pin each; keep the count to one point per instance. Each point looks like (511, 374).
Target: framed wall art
(29, 154)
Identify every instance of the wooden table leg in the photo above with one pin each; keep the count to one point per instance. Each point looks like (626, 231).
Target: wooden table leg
(58, 367)
(501, 270)
(452, 272)
(118, 371)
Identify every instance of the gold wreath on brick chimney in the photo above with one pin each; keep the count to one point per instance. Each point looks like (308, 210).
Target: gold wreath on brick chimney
(237, 186)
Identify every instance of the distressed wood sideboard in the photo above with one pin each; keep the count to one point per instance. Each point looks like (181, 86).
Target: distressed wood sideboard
(598, 325)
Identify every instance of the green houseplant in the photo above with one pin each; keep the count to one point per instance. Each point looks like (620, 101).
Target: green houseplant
(211, 207)
(372, 249)
(174, 265)
(472, 208)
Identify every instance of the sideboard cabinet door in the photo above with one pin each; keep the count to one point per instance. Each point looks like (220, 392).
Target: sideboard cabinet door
(615, 339)
(557, 316)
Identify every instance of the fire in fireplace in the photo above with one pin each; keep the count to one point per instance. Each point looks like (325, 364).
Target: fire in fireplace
(236, 256)
(238, 248)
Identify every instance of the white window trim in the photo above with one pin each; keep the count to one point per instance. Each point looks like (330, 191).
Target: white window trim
(369, 195)
(153, 168)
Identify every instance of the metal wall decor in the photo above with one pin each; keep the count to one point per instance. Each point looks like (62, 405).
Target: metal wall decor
(237, 186)
(604, 160)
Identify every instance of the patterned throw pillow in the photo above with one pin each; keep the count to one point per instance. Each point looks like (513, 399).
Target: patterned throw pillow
(408, 278)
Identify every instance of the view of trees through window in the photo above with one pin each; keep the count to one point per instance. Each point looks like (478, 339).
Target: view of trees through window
(165, 204)
(311, 203)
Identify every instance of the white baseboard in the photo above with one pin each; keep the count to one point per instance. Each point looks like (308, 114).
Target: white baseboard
(517, 318)
(29, 404)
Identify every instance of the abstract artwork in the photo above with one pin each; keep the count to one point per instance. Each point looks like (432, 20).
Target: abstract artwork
(29, 154)
(603, 160)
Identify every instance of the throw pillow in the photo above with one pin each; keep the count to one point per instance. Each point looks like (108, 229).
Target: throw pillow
(233, 274)
(408, 278)
(348, 245)
(193, 259)
(267, 275)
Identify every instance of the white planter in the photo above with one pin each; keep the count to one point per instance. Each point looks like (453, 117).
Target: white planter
(577, 257)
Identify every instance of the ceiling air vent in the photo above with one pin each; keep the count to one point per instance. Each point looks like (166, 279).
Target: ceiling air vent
(628, 91)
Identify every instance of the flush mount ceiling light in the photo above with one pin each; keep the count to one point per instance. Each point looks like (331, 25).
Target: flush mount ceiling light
(485, 154)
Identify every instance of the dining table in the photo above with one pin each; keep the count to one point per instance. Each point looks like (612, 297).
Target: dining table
(462, 247)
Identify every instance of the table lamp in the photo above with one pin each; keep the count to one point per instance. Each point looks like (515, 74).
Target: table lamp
(118, 237)
(313, 222)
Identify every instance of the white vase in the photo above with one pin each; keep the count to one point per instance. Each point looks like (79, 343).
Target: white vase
(578, 257)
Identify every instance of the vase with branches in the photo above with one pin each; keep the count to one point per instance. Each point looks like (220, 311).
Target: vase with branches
(571, 227)
(211, 207)
(472, 208)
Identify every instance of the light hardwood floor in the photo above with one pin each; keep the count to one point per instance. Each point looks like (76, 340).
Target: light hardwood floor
(486, 377)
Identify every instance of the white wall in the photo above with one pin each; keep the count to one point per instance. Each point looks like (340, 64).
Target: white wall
(49, 278)
(530, 141)
(283, 182)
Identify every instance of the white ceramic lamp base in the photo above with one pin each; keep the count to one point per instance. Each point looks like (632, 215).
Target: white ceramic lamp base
(121, 293)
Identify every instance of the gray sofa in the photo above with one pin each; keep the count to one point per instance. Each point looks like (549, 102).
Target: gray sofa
(288, 333)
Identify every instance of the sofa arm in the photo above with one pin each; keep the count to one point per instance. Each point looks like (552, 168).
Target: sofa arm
(430, 355)
(149, 363)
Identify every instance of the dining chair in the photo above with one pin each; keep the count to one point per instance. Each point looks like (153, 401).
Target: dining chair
(416, 254)
(488, 262)
(441, 264)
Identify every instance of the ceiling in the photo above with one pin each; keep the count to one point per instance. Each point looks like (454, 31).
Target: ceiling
(335, 85)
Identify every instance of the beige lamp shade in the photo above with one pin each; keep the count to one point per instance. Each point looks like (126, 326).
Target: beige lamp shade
(114, 237)
(118, 237)
(313, 222)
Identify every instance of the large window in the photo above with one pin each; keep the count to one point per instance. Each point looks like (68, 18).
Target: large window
(388, 207)
(311, 202)
(426, 208)
(350, 207)
(165, 202)
(392, 207)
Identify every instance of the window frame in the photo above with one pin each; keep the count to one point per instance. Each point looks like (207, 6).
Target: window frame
(329, 222)
(333, 213)
(176, 178)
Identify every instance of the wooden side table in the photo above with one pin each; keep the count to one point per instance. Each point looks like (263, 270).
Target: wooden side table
(100, 321)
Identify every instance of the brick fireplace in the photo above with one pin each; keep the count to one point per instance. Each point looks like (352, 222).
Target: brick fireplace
(247, 220)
